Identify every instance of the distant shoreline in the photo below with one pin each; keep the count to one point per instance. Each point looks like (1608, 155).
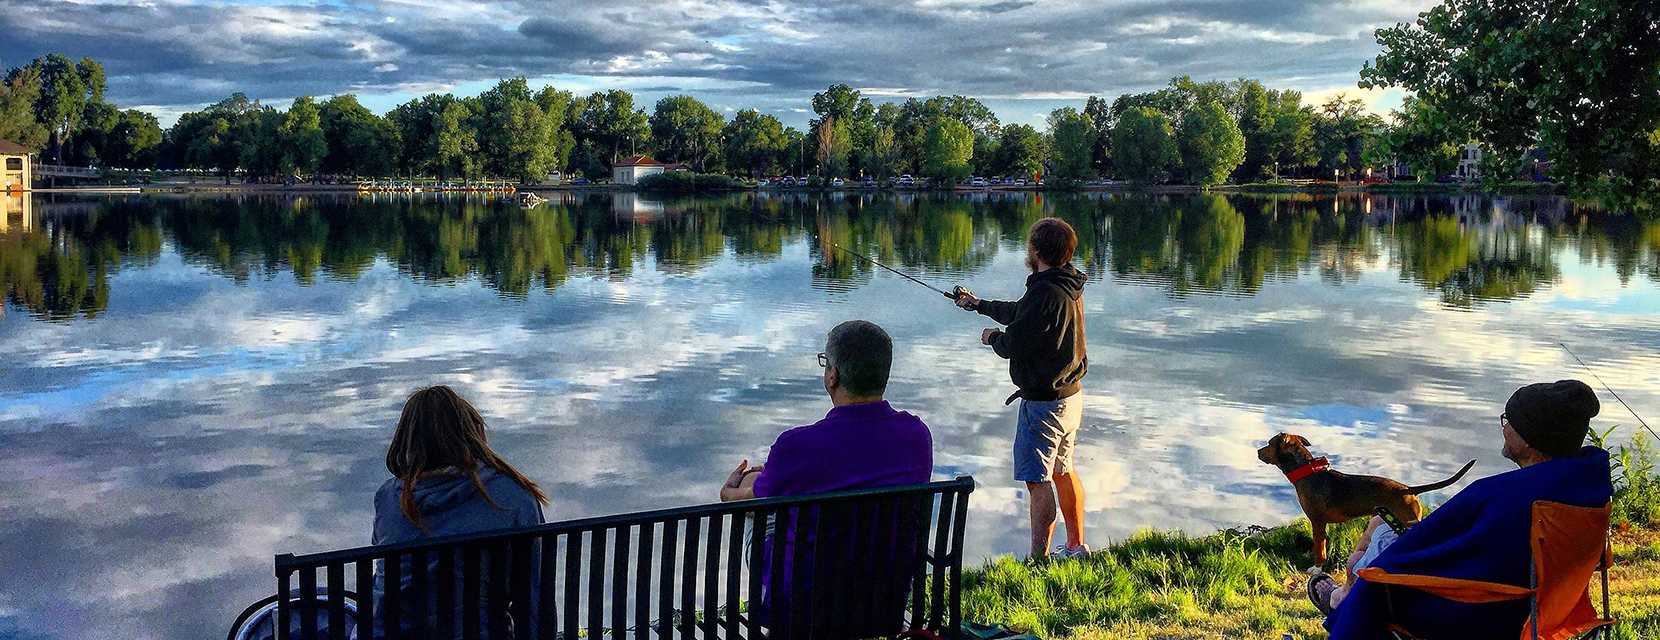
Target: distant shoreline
(1256, 188)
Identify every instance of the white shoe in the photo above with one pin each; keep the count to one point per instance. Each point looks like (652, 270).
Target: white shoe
(1064, 551)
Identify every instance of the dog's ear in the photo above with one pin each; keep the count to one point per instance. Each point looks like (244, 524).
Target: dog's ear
(1303, 441)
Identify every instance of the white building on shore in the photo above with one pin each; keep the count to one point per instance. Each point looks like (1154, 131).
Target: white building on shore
(630, 171)
(14, 167)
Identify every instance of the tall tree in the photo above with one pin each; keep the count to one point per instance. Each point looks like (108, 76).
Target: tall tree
(1211, 144)
(301, 137)
(684, 129)
(1021, 151)
(754, 142)
(513, 132)
(832, 143)
(1073, 146)
(360, 143)
(1424, 138)
(556, 107)
(1099, 112)
(65, 89)
(455, 142)
(136, 142)
(17, 109)
(1343, 130)
(1143, 144)
(1580, 78)
(948, 148)
(609, 119)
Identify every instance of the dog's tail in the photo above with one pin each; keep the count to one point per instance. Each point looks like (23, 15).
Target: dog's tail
(1425, 488)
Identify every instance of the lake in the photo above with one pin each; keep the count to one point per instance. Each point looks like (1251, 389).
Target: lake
(190, 385)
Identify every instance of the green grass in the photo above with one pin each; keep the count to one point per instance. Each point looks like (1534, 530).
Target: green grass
(1250, 584)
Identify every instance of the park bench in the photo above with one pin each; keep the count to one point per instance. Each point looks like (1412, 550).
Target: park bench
(867, 563)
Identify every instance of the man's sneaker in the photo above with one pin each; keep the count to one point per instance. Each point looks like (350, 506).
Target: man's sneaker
(1065, 552)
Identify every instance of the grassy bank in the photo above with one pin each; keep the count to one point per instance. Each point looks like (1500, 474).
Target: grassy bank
(1250, 583)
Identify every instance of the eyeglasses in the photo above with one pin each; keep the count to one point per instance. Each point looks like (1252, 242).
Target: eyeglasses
(823, 360)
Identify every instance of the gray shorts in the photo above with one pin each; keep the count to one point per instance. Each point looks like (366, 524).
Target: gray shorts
(1382, 537)
(1044, 437)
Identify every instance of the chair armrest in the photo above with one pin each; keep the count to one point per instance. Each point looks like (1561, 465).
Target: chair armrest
(1457, 590)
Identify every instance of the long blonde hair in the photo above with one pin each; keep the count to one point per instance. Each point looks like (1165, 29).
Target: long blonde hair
(439, 430)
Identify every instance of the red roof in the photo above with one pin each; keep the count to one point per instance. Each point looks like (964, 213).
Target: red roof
(10, 148)
(639, 161)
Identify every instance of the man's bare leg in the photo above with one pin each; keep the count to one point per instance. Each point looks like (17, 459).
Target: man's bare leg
(1070, 488)
(1043, 517)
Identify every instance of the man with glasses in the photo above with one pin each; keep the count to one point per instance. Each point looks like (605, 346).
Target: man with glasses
(1483, 532)
(862, 443)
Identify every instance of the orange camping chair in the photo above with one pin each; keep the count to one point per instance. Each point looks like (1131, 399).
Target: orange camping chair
(1569, 543)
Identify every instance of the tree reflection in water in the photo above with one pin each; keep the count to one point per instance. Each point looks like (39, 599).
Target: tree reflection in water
(57, 258)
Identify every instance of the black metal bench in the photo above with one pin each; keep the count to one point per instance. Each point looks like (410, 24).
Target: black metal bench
(863, 563)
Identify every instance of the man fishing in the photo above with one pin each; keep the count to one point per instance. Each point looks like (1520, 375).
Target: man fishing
(1043, 339)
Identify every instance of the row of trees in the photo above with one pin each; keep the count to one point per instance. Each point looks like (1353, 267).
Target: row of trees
(1200, 132)
(57, 105)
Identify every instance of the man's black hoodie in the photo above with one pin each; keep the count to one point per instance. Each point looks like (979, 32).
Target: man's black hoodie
(1044, 334)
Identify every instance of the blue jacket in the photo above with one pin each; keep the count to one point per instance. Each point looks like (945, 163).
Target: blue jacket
(449, 505)
(1480, 534)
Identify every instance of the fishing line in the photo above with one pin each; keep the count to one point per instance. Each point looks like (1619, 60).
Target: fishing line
(1610, 390)
(902, 274)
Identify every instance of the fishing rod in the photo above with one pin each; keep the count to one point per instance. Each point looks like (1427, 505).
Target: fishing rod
(1610, 390)
(952, 295)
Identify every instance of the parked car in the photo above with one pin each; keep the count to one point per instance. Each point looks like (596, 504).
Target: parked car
(868, 183)
(905, 180)
(978, 182)
(580, 181)
(837, 182)
(761, 182)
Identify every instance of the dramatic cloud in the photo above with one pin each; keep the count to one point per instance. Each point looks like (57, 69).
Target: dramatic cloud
(1022, 56)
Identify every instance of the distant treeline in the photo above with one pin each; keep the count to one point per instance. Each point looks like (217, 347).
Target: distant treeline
(1576, 92)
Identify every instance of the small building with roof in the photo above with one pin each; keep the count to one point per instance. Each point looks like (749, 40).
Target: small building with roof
(631, 169)
(15, 168)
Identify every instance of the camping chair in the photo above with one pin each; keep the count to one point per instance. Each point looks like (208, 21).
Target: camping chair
(1565, 555)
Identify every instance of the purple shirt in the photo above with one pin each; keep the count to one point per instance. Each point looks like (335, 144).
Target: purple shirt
(856, 446)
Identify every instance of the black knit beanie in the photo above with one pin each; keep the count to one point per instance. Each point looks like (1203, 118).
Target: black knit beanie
(1553, 417)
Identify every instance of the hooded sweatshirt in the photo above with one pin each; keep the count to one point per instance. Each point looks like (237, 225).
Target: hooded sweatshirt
(449, 505)
(1480, 534)
(1043, 337)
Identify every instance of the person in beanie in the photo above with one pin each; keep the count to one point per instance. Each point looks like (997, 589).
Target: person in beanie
(1043, 339)
(1481, 533)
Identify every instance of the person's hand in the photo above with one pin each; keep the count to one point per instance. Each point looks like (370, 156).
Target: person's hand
(736, 479)
(986, 335)
(966, 299)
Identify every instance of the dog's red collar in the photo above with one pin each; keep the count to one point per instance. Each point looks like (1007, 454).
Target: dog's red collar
(1308, 469)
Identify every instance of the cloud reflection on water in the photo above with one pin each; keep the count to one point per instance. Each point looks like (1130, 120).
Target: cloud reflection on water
(192, 385)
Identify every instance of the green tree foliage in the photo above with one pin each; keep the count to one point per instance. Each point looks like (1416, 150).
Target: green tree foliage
(1424, 138)
(514, 134)
(301, 138)
(66, 87)
(1100, 115)
(1074, 144)
(136, 142)
(556, 108)
(455, 142)
(857, 117)
(17, 109)
(616, 128)
(683, 129)
(1289, 141)
(88, 145)
(1143, 143)
(832, 144)
(947, 149)
(360, 143)
(214, 138)
(1021, 151)
(1581, 79)
(794, 157)
(754, 143)
(1211, 144)
(1343, 131)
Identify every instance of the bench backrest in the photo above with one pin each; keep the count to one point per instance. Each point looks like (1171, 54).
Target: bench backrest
(868, 562)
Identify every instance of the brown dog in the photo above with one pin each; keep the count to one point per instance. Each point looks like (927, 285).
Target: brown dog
(1331, 497)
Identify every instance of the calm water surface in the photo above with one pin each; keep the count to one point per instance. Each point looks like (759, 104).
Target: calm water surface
(190, 385)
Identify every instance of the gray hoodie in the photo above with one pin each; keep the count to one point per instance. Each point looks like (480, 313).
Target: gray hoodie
(450, 505)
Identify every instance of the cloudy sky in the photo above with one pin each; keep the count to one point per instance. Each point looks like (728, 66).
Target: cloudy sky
(1023, 57)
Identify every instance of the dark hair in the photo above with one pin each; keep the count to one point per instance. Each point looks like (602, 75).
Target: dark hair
(862, 354)
(437, 431)
(1053, 240)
